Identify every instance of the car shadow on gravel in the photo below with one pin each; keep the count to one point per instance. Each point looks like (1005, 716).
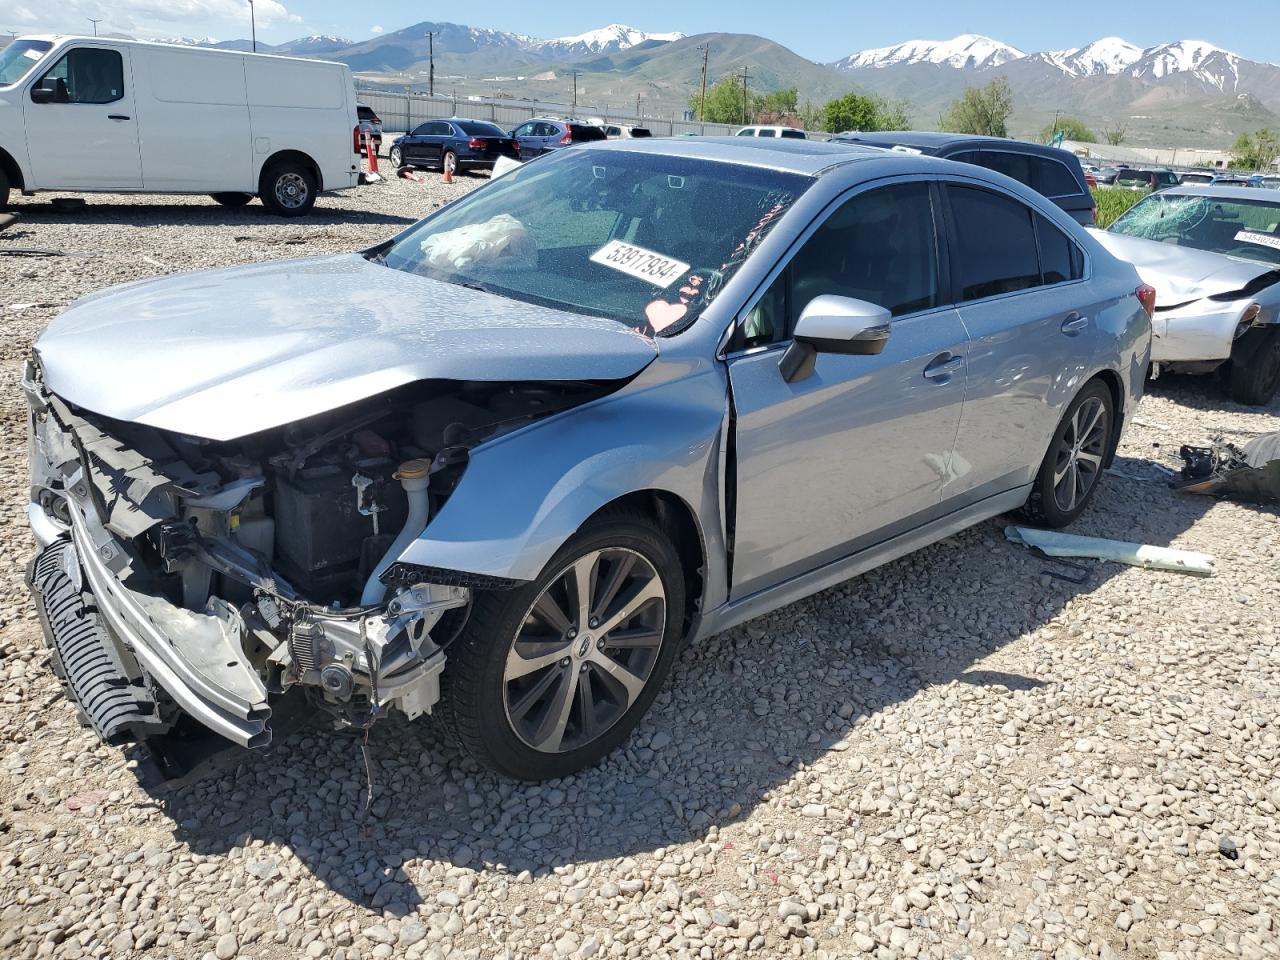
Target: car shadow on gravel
(744, 712)
(142, 214)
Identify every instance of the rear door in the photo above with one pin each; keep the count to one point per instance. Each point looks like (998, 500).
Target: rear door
(88, 138)
(1018, 283)
(524, 136)
(858, 451)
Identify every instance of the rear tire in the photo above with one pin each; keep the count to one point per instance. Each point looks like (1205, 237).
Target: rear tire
(232, 199)
(288, 189)
(4, 191)
(1255, 377)
(1072, 468)
(449, 162)
(567, 713)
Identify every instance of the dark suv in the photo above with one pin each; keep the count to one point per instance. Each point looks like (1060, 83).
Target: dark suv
(1047, 170)
(1128, 179)
(541, 135)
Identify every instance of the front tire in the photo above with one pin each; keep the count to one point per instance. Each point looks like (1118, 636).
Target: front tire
(288, 189)
(1069, 476)
(550, 677)
(395, 157)
(1255, 376)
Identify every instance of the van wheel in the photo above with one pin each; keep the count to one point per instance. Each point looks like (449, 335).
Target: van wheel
(232, 199)
(549, 677)
(4, 191)
(288, 189)
(1255, 377)
(1072, 468)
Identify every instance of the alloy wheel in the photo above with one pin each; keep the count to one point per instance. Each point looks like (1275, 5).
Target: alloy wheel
(1078, 461)
(585, 650)
(394, 156)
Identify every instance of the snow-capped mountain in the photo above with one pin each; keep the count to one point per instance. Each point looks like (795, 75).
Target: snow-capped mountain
(1212, 65)
(966, 52)
(1108, 56)
(305, 46)
(614, 37)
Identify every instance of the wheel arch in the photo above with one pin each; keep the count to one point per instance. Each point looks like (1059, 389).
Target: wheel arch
(1113, 383)
(12, 170)
(297, 156)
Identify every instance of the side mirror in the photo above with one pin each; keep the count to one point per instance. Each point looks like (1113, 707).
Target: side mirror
(830, 324)
(50, 91)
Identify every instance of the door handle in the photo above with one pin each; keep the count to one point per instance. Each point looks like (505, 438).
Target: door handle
(942, 367)
(1074, 324)
(116, 116)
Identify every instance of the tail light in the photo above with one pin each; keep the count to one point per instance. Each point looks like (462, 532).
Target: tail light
(1147, 297)
(357, 139)
(567, 138)
(475, 143)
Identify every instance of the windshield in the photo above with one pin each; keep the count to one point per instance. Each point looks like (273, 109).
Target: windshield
(17, 59)
(1238, 228)
(645, 239)
(479, 128)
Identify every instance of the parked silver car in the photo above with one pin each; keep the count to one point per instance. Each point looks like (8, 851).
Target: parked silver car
(1214, 254)
(507, 462)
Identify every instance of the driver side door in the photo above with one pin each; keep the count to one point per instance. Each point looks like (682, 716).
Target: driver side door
(858, 451)
(87, 137)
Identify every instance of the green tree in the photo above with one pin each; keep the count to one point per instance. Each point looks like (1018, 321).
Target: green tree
(1257, 152)
(1072, 129)
(725, 102)
(780, 102)
(855, 111)
(981, 111)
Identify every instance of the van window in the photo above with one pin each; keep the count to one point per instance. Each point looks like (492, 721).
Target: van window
(90, 75)
(765, 132)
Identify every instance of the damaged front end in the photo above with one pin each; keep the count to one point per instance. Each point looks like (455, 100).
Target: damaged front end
(180, 575)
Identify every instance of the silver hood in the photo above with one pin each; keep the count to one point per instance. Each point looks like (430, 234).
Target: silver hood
(225, 353)
(1181, 274)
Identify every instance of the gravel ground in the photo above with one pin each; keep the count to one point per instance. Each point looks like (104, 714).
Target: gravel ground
(953, 756)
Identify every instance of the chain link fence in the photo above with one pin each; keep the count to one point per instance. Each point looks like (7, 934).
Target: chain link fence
(404, 111)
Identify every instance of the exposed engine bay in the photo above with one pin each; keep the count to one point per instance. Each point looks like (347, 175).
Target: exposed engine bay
(233, 571)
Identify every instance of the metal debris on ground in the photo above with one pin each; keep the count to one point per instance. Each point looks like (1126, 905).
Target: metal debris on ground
(1135, 554)
(1250, 473)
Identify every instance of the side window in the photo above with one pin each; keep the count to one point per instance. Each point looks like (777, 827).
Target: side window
(995, 243)
(1053, 178)
(1060, 258)
(968, 156)
(1014, 165)
(438, 128)
(421, 130)
(748, 132)
(765, 133)
(89, 76)
(524, 130)
(880, 246)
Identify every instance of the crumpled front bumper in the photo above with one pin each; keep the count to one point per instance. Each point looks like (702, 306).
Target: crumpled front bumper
(1203, 330)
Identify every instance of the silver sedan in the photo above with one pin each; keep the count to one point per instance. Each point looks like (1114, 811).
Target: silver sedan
(504, 464)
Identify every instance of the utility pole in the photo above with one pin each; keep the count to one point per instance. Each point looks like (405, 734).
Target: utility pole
(575, 90)
(639, 115)
(702, 100)
(431, 64)
(253, 27)
(95, 23)
(745, 75)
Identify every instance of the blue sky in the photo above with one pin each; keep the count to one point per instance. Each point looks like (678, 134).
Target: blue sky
(823, 31)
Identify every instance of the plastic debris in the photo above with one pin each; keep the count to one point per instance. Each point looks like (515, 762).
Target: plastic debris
(1250, 473)
(1055, 544)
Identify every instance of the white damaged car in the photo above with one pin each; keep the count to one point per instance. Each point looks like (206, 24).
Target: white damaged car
(1213, 255)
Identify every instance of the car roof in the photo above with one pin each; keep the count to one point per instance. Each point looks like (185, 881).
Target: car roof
(932, 140)
(1213, 190)
(809, 157)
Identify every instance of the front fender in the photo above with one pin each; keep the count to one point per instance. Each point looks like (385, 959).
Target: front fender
(524, 494)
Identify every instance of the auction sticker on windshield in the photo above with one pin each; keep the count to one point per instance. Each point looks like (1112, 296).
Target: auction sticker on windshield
(1262, 239)
(640, 263)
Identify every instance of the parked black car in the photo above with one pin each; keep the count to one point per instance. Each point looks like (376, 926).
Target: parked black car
(1047, 170)
(539, 136)
(453, 144)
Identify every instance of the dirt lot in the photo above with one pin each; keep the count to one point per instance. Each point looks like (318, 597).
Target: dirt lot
(953, 756)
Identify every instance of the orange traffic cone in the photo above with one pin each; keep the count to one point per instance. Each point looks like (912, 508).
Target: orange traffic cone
(371, 154)
(448, 174)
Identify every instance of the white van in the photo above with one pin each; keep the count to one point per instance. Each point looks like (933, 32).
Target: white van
(97, 114)
(772, 131)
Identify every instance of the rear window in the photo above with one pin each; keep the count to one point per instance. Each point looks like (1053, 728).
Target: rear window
(640, 132)
(794, 134)
(1168, 179)
(1053, 178)
(479, 128)
(1134, 176)
(1197, 178)
(584, 132)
